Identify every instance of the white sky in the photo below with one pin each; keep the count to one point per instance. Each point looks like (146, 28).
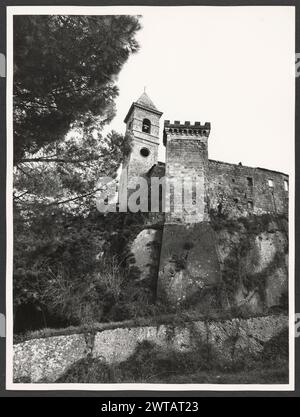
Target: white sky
(231, 66)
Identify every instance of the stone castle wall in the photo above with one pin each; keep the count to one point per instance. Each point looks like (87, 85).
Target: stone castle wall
(239, 190)
(187, 170)
(187, 161)
(190, 258)
(190, 246)
(231, 189)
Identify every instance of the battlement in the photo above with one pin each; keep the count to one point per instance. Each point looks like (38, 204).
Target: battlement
(185, 129)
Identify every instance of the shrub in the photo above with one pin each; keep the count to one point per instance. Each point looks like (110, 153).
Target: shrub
(276, 350)
(89, 370)
(149, 363)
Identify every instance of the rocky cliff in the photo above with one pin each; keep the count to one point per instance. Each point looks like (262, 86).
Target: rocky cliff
(245, 264)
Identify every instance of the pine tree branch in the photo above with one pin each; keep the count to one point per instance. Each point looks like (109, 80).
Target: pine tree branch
(60, 160)
(56, 203)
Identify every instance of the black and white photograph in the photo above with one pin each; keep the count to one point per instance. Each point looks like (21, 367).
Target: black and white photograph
(150, 198)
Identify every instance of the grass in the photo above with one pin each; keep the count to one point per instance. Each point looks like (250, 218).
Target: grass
(259, 376)
(177, 318)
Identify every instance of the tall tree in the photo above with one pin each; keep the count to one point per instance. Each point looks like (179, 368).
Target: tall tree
(64, 92)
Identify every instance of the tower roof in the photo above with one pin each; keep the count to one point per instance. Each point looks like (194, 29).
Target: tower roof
(145, 103)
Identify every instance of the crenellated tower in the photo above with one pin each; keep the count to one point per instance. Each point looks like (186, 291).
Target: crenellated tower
(188, 258)
(187, 171)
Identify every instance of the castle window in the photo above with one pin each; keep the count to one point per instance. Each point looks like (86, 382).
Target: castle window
(233, 180)
(286, 185)
(146, 126)
(250, 181)
(145, 152)
(130, 125)
(271, 183)
(250, 205)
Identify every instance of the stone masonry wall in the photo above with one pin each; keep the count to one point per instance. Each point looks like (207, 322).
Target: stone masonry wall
(187, 161)
(44, 360)
(186, 171)
(238, 190)
(229, 189)
(137, 118)
(137, 164)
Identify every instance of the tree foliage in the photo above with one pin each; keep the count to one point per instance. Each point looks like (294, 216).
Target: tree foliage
(65, 69)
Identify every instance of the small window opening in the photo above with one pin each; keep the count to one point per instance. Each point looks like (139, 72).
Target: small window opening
(130, 125)
(145, 152)
(172, 198)
(146, 126)
(194, 200)
(250, 205)
(233, 180)
(250, 181)
(286, 185)
(271, 183)
(236, 200)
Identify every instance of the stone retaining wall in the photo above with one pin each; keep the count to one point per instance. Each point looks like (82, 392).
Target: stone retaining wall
(46, 359)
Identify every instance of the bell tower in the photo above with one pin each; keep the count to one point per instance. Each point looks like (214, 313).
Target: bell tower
(142, 122)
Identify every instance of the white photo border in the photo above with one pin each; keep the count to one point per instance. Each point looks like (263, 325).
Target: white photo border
(10, 385)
